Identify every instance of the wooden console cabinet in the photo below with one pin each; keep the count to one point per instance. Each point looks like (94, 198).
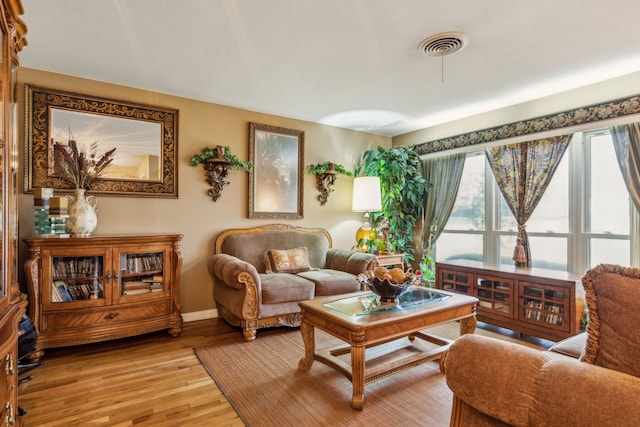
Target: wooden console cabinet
(544, 303)
(84, 290)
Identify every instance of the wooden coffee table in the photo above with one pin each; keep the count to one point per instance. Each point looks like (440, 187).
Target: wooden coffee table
(345, 318)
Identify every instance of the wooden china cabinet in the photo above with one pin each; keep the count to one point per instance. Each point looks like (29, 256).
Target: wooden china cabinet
(12, 302)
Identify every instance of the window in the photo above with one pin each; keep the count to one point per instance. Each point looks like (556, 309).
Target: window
(463, 236)
(606, 210)
(582, 220)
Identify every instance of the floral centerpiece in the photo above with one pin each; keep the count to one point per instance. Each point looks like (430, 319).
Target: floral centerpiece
(79, 168)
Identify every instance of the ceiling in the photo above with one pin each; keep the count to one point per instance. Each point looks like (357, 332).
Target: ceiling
(347, 63)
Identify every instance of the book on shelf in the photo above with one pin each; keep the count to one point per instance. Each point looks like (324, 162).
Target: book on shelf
(156, 286)
(156, 278)
(141, 263)
(62, 289)
(132, 285)
(77, 266)
(55, 294)
(136, 291)
(135, 287)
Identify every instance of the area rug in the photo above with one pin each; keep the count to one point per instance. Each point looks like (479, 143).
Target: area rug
(262, 381)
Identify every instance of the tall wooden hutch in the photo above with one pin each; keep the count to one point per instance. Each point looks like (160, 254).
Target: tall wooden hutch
(12, 302)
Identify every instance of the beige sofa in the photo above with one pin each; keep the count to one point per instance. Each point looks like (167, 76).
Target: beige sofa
(497, 383)
(260, 274)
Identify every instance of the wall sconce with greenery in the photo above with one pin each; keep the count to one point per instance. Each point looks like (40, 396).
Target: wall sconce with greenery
(216, 161)
(326, 174)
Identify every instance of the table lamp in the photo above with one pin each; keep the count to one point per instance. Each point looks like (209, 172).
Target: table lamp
(366, 198)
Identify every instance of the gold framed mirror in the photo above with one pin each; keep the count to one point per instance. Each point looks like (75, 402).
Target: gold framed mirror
(145, 138)
(276, 179)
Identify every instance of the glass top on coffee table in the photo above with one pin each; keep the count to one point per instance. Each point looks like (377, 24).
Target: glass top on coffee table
(369, 303)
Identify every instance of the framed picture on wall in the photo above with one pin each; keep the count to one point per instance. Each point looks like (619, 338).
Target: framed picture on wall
(276, 179)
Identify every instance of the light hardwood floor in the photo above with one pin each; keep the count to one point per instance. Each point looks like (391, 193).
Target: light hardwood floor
(151, 380)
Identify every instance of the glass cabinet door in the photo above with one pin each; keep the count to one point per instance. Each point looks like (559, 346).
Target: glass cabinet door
(544, 304)
(142, 273)
(495, 294)
(455, 281)
(77, 278)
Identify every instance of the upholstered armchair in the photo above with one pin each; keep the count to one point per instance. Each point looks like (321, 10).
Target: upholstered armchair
(497, 383)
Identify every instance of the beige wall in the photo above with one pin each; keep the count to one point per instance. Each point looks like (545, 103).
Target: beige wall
(194, 214)
(609, 90)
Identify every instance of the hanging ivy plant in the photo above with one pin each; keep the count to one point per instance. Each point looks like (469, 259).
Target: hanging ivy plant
(215, 153)
(403, 189)
(320, 168)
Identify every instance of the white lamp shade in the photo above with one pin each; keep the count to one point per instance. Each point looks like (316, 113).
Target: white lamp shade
(366, 194)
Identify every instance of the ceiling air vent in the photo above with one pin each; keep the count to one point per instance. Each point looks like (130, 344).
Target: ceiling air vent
(443, 44)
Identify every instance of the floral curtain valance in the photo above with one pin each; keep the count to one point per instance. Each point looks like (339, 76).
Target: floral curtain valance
(523, 172)
(622, 107)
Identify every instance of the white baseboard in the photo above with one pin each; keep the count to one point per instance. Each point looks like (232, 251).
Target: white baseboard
(200, 315)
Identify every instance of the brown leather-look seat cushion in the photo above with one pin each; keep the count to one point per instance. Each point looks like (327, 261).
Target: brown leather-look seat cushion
(331, 282)
(285, 287)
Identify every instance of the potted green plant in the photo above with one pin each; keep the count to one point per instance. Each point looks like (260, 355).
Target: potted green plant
(216, 161)
(403, 189)
(427, 265)
(326, 174)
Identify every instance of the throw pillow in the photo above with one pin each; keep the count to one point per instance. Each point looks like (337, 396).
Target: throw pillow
(286, 261)
(612, 294)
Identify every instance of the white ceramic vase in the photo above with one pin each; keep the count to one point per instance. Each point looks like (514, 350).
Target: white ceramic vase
(82, 219)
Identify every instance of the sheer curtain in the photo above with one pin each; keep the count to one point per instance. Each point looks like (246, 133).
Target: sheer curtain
(523, 172)
(444, 174)
(626, 141)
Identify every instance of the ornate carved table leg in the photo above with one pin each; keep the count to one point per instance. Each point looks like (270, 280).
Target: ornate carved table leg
(308, 337)
(467, 326)
(357, 369)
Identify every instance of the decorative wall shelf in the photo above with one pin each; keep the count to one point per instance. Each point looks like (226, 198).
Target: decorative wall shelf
(326, 174)
(324, 184)
(216, 171)
(216, 162)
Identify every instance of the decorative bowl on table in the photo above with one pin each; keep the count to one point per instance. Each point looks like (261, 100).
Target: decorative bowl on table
(389, 289)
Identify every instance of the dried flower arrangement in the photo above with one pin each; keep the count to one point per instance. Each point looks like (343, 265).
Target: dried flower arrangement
(79, 168)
